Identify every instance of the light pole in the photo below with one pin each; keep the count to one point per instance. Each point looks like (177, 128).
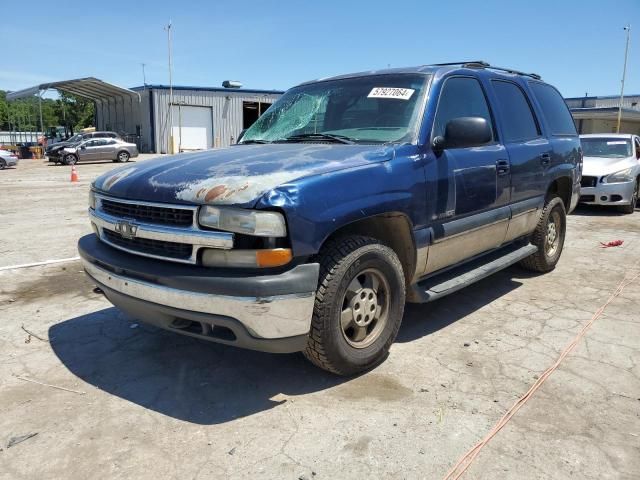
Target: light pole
(144, 76)
(624, 73)
(171, 147)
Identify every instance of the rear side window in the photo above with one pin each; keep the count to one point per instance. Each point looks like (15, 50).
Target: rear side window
(554, 109)
(518, 123)
(460, 97)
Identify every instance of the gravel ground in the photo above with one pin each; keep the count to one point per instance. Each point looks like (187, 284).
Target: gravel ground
(145, 403)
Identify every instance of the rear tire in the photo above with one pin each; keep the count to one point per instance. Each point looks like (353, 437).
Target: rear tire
(359, 305)
(548, 237)
(634, 201)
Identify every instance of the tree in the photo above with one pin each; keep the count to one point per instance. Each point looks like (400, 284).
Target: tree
(24, 114)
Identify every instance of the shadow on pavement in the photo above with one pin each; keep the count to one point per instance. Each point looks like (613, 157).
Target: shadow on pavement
(597, 211)
(421, 320)
(206, 383)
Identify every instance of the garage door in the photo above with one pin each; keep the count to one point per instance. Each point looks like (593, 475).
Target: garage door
(192, 127)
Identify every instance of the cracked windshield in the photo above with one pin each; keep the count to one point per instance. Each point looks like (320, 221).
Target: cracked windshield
(372, 109)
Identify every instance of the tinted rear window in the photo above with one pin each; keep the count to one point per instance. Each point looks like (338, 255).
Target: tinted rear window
(518, 123)
(554, 109)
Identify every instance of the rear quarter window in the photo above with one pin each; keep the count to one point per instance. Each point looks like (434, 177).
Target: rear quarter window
(554, 109)
(518, 121)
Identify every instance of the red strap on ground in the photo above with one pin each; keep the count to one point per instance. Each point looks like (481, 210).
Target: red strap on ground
(612, 243)
(465, 461)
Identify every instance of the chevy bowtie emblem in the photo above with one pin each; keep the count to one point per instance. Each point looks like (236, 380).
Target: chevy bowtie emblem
(126, 229)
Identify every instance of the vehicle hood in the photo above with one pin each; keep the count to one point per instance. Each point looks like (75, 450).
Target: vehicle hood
(237, 175)
(58, 146)
(598, 166)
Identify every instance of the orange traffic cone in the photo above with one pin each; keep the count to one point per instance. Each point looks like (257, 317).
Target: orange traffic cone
(74, 174)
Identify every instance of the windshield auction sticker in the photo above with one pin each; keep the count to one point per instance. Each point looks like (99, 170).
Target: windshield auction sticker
(391, 92)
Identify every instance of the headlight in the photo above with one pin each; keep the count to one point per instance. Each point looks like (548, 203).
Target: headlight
(250, 222)
(621, 176)
(92, 199)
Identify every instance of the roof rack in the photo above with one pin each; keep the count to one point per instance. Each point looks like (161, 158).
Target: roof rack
(483, 64)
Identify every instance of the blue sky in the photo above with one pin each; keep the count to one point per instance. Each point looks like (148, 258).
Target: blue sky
(576, 45)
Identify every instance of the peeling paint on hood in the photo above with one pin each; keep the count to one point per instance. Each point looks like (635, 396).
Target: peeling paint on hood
(237, 175)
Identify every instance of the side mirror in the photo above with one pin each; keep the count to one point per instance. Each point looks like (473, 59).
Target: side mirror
(464, 132)
(83, 147)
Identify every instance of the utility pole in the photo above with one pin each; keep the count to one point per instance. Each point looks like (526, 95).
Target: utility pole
(624, 74)
(171, 146)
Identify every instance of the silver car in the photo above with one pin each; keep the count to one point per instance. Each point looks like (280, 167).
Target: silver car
(611, 170)
(112, 149)
(7, 159)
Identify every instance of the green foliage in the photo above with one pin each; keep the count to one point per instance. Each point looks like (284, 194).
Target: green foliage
(24, 114)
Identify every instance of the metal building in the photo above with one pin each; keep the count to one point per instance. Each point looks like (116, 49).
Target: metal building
(199, 117)
(600, 114)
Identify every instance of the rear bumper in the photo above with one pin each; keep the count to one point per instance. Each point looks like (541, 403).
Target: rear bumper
(608, 194)
(261, 312)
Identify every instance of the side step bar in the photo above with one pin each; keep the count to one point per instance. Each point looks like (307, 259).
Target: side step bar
(453, 280)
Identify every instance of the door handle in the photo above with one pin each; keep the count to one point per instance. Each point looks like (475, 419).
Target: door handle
(545, 159)
(502, 167)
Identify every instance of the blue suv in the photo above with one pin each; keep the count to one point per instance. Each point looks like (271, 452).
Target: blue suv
(350, 196)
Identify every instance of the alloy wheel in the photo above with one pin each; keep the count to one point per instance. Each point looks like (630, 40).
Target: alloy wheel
(365, 308)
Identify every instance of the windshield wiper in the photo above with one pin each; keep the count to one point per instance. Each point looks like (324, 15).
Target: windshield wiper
(245, 142)
(321, 136)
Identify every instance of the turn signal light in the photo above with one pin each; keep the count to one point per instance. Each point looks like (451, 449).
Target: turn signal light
(273, 258)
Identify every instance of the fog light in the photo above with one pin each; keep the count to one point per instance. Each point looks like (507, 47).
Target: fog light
(246, 258)
(603, 198)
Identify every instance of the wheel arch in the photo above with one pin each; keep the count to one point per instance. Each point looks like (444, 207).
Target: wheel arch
(563, 188)
(393, 229)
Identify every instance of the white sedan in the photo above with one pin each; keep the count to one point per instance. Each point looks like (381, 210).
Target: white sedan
(7, 159)
(611, 170)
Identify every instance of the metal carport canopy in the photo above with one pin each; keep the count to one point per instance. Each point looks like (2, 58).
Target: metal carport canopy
(89, 87)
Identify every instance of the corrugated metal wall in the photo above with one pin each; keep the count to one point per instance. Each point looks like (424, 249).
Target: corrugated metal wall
(226, 109)
(125, 115)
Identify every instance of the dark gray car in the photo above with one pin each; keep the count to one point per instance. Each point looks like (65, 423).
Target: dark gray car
(112, 149)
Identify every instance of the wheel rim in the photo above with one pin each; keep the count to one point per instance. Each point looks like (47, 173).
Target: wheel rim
(365, 308)
(71, 159)
(123, 157)
(553, 234)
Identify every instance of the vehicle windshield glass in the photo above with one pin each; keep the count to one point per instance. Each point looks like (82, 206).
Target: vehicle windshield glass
(371, 109)
(75, 138)
(606, 147)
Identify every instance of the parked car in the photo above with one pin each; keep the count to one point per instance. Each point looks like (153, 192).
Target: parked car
(348, 197)
(99, 149)
(53, 152)
(7, 159)
(611, 171)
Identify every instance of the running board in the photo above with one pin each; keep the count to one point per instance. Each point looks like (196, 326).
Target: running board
(453, 280)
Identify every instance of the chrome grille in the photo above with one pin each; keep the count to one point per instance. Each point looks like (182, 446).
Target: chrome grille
(156, 230)
(158, 248)
(149, 213)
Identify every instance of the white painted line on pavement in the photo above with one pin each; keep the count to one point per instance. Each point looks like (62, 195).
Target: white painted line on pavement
(37, 264)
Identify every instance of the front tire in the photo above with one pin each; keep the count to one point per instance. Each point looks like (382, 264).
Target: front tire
(634, 201)
(359, 305)
(548, 237)
(70, 159)
(3, 164)
(123, 157)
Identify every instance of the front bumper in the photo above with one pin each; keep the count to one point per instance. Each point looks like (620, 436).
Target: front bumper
(261, 312)
(608, 193)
